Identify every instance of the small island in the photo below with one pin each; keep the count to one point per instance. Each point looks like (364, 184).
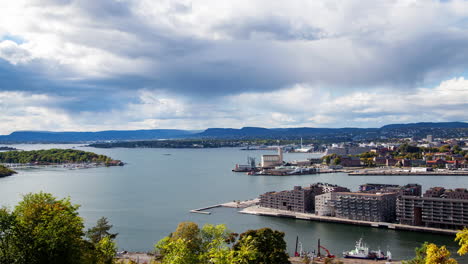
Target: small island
(5, 148)
(4, 171)
(66, 157)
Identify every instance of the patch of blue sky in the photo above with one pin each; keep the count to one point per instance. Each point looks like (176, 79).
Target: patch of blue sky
(17, 39)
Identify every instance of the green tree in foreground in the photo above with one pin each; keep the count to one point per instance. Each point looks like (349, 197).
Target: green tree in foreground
(189, 244)
(430, 253)
(101, 247)
(269, 245)
(43, 229)
(48, 230)
(100, 231)
(7, 239)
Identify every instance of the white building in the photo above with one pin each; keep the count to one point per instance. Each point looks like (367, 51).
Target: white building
(323, 204)
(429, 138)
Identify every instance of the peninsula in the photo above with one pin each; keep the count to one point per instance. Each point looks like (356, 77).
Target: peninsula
(4, 171)
(3, 148)
(56, 156)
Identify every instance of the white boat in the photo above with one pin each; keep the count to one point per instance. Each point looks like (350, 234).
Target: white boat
(361, 251)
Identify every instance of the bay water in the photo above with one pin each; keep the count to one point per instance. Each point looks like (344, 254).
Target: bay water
(156, 189)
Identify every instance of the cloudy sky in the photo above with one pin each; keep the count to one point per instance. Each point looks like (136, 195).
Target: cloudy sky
(88, 65)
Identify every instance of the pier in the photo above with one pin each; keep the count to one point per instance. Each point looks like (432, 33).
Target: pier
(233, 204)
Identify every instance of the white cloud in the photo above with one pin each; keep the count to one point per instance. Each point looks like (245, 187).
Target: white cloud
(220, 63)
(347, 38)
(14, 53)
(300, 105)
(23, 111)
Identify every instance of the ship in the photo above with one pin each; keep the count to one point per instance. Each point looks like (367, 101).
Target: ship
(362, 252)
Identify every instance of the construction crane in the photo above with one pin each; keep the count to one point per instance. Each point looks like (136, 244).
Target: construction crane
(328, 252)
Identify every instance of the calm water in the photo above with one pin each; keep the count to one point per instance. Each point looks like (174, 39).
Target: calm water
(147, 198)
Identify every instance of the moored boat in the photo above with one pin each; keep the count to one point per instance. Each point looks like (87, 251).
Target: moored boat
(361, 251)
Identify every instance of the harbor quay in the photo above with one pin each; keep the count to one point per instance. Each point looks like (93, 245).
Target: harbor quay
(438, 210)
(263, 211)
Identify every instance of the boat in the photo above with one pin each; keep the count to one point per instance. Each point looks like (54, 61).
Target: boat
(362, 252)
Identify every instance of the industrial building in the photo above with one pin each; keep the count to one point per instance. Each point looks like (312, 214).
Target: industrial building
(439, 208)
(270, 161)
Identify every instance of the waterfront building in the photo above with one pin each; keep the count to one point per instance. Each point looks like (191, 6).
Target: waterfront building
(357, 150)
(374, 207)
(380, 161)
(342, 151)
(270, 161)
(324, 204)
(391, 162)
(350, 162)
(438, 208)
(418, 162)
(299, 199)
(337, 151)
(434, 192)
(436, 163)
(412, 189)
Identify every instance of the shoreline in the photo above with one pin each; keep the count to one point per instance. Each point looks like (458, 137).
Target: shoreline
(263, 211)
(70, 166)
(397, 173)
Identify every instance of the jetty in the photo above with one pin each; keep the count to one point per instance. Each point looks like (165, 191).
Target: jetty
(263, 211)
(233, 204)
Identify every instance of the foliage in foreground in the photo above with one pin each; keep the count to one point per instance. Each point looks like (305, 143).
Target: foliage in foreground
(44, 229)
(430, 253)
(216, 244)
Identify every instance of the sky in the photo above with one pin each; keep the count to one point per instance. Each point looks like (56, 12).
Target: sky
(87, 65)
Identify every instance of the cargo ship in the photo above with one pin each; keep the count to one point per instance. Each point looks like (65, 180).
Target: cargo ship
(362, 252)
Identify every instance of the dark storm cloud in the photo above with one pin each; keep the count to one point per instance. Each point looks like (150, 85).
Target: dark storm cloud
(261, 54)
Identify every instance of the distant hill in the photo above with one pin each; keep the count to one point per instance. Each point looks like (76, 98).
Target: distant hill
(442, 129)
(428, 125)
(253, 132)
(47, 136)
